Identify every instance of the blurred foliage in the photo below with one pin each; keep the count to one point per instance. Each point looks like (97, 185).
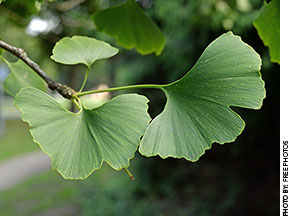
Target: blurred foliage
(21, 76)
(234, 179)
(172, 196)
(143, 34)
(268, 27)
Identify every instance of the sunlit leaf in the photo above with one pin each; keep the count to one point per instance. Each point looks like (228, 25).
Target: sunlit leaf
(197, 112)
(131, 27)
(268, 27)
(79, 143)
(81, 49)
(21, 76)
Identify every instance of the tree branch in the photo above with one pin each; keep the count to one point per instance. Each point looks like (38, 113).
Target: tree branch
(64, 90)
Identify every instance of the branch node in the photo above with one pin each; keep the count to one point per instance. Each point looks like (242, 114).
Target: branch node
(22, 53)
(64, 90)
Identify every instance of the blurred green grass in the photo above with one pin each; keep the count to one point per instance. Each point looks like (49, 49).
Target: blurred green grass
(44, 194)
(16, 140)
(49, 194)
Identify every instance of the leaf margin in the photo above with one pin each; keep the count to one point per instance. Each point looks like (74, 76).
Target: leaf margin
(228, 106)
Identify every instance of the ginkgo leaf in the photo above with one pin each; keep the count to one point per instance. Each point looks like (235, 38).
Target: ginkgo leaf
(21, 76)
(131, 27)
(78, 143)
(81, 49)
(197, 112)
(268, 28)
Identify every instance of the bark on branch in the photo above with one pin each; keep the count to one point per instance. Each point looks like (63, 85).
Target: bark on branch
(65, 91)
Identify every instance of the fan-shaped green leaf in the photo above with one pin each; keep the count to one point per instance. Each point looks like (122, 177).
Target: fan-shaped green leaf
(197, 111)
(268, 27)
(131, 27)
(81, 49)
(78, 143)
(21, 76)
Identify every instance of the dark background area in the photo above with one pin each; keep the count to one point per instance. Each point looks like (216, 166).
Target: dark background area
(239, 178)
